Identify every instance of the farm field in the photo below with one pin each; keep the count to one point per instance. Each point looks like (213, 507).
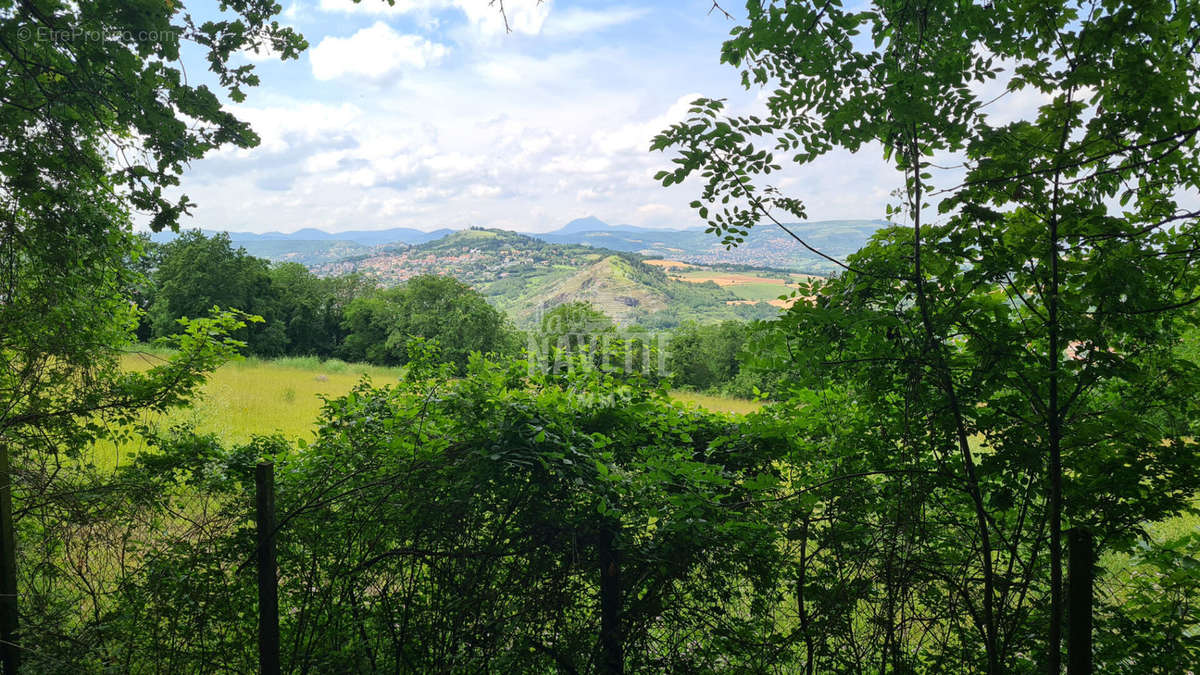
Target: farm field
(749, 287)
(252, 397)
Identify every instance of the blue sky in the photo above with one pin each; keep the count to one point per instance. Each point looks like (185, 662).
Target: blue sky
(426, 114)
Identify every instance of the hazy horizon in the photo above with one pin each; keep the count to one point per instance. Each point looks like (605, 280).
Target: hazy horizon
(551, 229)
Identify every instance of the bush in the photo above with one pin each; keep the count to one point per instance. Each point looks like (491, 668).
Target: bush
(464, 526)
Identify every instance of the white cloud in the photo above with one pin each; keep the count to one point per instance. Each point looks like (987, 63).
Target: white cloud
(576, 21)
(263, 53)
(524, 16)
(453, 163)
(514, 132)
(577, 164)
(654, 210)
(535, 142)
(375, 53)
(593, 194)
(281, 127)
(445, 161)
(294, 11)
(484, 191)
(519, 69)
(637, 135)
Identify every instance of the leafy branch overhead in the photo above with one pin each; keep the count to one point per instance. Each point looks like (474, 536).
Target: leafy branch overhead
(96, 94)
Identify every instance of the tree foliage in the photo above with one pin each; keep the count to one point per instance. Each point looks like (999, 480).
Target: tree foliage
(196, 272)
(97, 123)
(573, 323)
(1011, 345)
(719, 357)
(464, 525)
(302, 313)
(312, 309)
(379, 325)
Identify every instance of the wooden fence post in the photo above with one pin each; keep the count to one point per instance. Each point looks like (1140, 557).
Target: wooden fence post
(612, 661)
(1081, 562)
(10, 653)
(268, 582)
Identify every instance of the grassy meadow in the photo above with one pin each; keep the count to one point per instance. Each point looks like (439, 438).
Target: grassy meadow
(253, 397)
(740, 406)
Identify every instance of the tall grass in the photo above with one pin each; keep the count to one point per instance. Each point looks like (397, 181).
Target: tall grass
(252, 397)
(740, 406)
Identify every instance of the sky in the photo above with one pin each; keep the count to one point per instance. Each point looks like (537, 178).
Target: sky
(426, 114)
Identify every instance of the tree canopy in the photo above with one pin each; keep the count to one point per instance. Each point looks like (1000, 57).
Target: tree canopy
(380, 325)
(196, 273)
(1010, 343)
(97, 123)
(302, 313)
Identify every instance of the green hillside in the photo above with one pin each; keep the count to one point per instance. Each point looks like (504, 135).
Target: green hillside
(523, 276)
(631, 291)
(612, 285)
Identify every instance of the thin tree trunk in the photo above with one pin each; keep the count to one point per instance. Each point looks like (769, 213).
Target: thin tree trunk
(10, 652)
(268, 582)
(1054, 468)
(809, 656)
(1082, 561)
(1054, 658)
(935, 348)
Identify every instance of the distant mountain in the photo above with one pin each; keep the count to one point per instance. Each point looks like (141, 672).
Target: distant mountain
(589, 224)
(594, 224)
(307, 252)
(767, 245)
(635, 240)
(401, 235)
(313, 247)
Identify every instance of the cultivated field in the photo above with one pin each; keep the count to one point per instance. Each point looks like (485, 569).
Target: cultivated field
(750, 287)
